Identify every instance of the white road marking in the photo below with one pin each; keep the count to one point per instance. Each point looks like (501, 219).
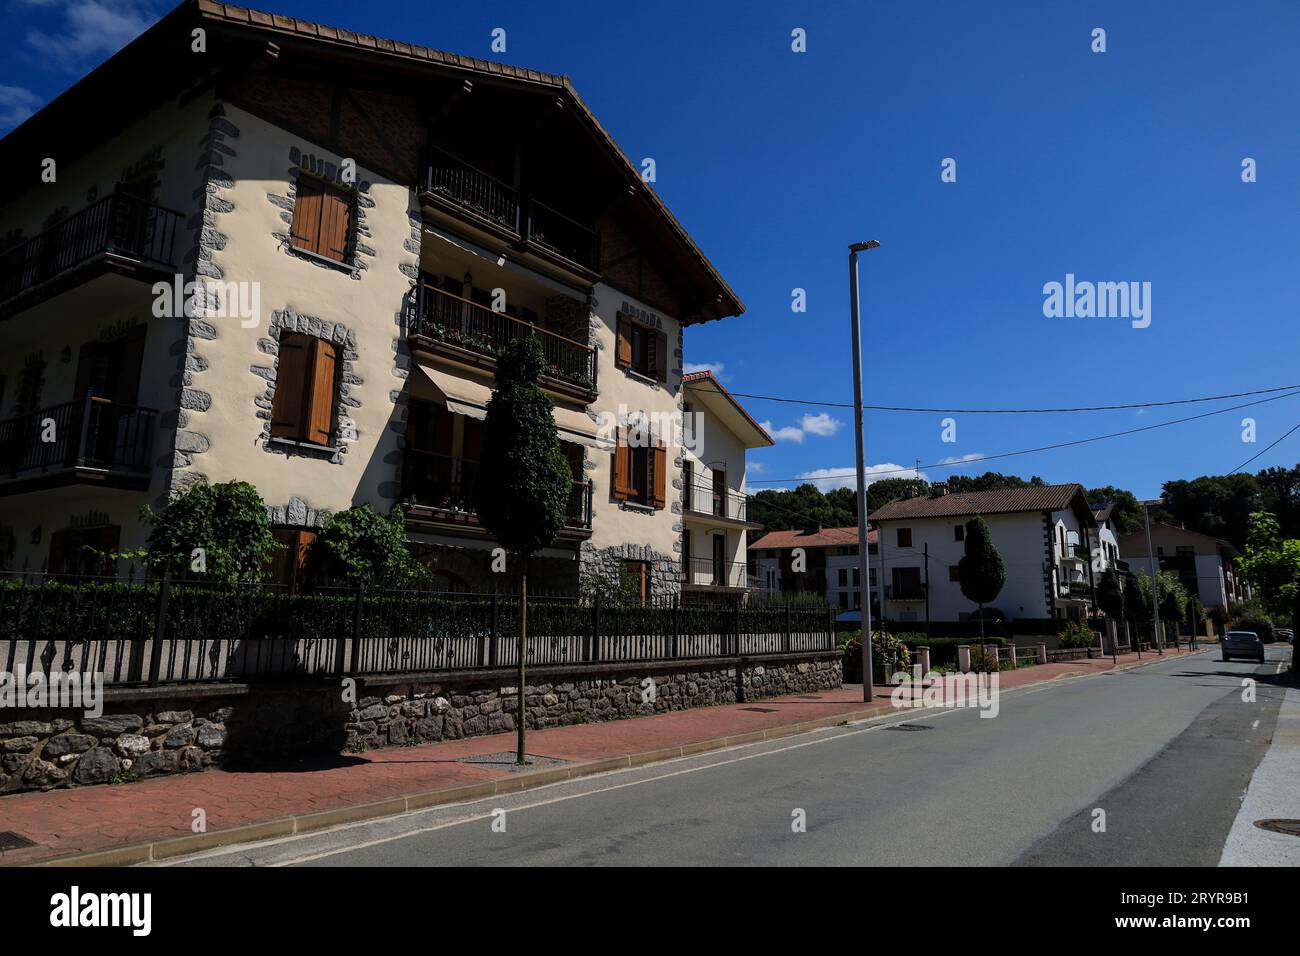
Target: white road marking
(867, 725)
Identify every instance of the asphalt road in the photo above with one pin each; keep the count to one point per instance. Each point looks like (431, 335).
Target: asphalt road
(1165, 750)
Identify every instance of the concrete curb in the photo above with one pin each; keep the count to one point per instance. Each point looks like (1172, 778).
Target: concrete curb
(154, 851)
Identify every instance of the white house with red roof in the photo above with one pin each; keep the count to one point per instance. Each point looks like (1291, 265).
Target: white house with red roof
(822, 561)
(1048, 536)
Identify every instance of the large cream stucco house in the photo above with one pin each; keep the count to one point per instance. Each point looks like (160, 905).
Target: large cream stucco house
(369, 221)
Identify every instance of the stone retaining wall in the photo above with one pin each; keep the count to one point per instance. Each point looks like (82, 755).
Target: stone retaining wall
(151, 731)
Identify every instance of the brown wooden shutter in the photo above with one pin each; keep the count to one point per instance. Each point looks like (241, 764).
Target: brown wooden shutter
(623, 355)
(659, 467)
(308, 208)
(336, 221)
(289, 406)
(661, 356)
(623, 468)
(289, 566)
(130, 359)
(320, 418)
(59, 556)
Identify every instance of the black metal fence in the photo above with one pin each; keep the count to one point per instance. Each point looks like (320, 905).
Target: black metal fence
(161, 631)
(118, 224)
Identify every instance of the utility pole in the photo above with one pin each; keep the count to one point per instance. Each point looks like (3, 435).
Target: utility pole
(1155, 591)
(864, 556)
(926, 551)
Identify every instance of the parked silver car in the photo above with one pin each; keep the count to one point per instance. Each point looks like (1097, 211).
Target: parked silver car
(1243, 644)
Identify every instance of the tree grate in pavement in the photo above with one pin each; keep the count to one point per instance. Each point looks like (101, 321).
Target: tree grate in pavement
(909, 727)
(13, 841)
(506, 761)
(762, 710)
(1289, 827)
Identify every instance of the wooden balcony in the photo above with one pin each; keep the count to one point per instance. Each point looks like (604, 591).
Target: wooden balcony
(441, 491)
(468, 194)
(91, 441)
(472, 334)
(119, 233)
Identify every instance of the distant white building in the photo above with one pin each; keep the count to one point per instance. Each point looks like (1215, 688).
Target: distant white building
(1206, 566)
(830, 565)
(1048, 536)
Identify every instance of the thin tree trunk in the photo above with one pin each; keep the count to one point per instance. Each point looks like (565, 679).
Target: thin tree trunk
(520, 717)
(984, 651)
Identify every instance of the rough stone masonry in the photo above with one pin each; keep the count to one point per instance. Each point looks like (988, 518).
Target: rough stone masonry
(148, 732)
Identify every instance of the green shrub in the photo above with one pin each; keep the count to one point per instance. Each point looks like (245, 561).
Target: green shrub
(1077, 634)
(212, 533)
(362, 545)
(888, 654)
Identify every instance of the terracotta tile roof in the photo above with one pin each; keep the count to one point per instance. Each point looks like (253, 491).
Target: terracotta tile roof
(999, 501)
(825, 538)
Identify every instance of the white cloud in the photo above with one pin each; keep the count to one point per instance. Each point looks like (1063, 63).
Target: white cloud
(16, 104)
(757, 467)
(821, 424)
(959, 459)
(91, 30)
(828, 478)
(789, 433)
(717, 368)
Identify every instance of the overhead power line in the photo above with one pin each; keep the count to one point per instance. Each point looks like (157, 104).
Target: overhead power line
(701, 386)
(1289, 432)
(1030, 451)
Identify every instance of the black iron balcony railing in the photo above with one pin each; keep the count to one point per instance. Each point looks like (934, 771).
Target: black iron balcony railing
(485, 197)
(705, 498)
(905, 592)
(473, 190)
(446, 483)
(1075, 589)
(563, 236)
(449, 318)
(705, 571)
(1077, 550)
(93, 434)
(118, 225)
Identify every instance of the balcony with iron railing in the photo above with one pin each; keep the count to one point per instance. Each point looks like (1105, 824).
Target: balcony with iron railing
(120, 232)
(905, 592)
(705, 499)
(463, 330)
(1075, 589)
(706, 572)
(93, 440)
(441, 491)
(453, 185)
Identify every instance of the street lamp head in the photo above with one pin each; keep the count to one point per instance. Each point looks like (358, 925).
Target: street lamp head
(864, 246)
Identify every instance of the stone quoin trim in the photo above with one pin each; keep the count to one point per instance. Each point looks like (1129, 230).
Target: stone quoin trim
(193, 401)
(345, 426)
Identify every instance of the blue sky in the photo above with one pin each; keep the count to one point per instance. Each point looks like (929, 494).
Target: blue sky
(1117, 166)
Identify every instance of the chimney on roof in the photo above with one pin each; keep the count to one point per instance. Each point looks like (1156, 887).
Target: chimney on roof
(938, 489)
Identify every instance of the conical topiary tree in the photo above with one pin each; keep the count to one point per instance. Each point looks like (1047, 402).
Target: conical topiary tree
(981, 569)
(524, 479)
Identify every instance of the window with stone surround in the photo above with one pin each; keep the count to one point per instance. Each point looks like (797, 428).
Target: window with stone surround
(322, 219)
(304, 407)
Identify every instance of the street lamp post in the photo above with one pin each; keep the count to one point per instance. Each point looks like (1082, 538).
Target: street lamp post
(864, 557)
(1155, 590)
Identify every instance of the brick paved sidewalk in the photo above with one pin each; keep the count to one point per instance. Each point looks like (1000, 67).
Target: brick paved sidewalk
(151, 819)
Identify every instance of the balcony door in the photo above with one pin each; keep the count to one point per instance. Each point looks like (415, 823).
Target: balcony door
(110, 373)
(719, 492)
(720, 559)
